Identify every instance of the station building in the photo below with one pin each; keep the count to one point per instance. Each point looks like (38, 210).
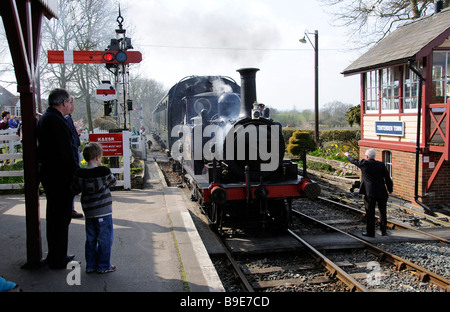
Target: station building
(405, 100)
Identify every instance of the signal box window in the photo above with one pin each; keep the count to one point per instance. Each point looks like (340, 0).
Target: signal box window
(440, 90)
(390, 86)
(371, 92)
(411, 88)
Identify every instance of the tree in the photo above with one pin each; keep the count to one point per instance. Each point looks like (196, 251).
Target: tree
(353, 115)
(333, 114)
(7, 77)
(307, 113)
(81, 26)
(369, 21)
(146, 93)
(300, 143)
(105, 123)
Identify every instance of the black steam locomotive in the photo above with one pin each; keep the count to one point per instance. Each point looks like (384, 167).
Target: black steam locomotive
(229, 151)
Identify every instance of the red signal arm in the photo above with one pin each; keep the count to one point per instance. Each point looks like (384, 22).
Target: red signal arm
(89, 57)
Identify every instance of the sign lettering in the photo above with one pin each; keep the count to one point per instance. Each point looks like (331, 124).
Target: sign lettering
(111, 143)
(392, 128)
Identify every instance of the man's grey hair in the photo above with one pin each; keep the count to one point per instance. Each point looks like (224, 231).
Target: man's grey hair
(58, 96)
(371, 153)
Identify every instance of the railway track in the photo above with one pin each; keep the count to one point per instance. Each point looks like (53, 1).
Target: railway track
(323, 271)
(304, 270)
(349, 271)
(333, 268)
(398, 263)
(400, 210)
(311, 271)
(392, 224)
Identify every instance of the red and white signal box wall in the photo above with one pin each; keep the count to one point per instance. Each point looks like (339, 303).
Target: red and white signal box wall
(405, 107)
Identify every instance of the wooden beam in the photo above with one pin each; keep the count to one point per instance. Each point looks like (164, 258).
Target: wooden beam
(22, 20)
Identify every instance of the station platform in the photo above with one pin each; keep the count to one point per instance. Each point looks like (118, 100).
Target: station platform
(156, 246)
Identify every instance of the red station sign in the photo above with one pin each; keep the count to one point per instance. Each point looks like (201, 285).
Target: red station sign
(111, 143)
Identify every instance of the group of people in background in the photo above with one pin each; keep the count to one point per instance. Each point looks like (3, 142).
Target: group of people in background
(9, 122)
(134, 131)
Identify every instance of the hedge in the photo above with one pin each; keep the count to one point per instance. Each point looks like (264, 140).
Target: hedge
(345, 136)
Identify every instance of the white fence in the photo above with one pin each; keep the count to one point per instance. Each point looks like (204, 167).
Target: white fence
(11, 146)
(11, 151)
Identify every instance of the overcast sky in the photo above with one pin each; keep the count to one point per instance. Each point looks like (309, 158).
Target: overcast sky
(180, 38)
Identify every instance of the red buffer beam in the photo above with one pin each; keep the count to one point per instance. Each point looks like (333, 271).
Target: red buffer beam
(94, 57)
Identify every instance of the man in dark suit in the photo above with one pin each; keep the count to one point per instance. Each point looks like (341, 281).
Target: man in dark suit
(375, 185)
(57, 164)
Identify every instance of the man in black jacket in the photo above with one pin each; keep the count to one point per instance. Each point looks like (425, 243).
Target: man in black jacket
(375, 185)
(57, 164)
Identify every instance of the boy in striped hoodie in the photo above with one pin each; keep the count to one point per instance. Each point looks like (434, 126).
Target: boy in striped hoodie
(94, 182)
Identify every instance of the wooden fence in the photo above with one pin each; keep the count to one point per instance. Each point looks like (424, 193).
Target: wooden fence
(10, 152)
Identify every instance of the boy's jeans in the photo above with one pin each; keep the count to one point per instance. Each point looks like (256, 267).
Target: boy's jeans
(99, 239)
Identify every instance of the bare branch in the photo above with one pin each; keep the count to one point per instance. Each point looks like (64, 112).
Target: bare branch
(369, 21)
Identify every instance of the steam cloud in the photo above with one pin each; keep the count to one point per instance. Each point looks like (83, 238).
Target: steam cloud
(226, 30)
(220, 87)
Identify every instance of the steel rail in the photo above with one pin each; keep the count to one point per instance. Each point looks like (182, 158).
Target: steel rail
(393, 223)
(400, 263)
(244, 282)
(238, 270)
(334, 269)
(428, 218)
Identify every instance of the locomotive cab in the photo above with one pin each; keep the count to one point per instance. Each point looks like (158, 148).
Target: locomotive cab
(200, 104)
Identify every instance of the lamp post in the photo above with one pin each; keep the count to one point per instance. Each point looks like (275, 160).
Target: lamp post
(315, 46)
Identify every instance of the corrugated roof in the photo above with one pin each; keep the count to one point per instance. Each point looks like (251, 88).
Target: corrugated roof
(403, 43)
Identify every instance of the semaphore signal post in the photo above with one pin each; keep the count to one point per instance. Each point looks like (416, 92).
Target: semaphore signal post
(117, 59)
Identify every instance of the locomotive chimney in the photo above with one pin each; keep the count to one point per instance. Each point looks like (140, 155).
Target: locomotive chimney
(248, 90)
